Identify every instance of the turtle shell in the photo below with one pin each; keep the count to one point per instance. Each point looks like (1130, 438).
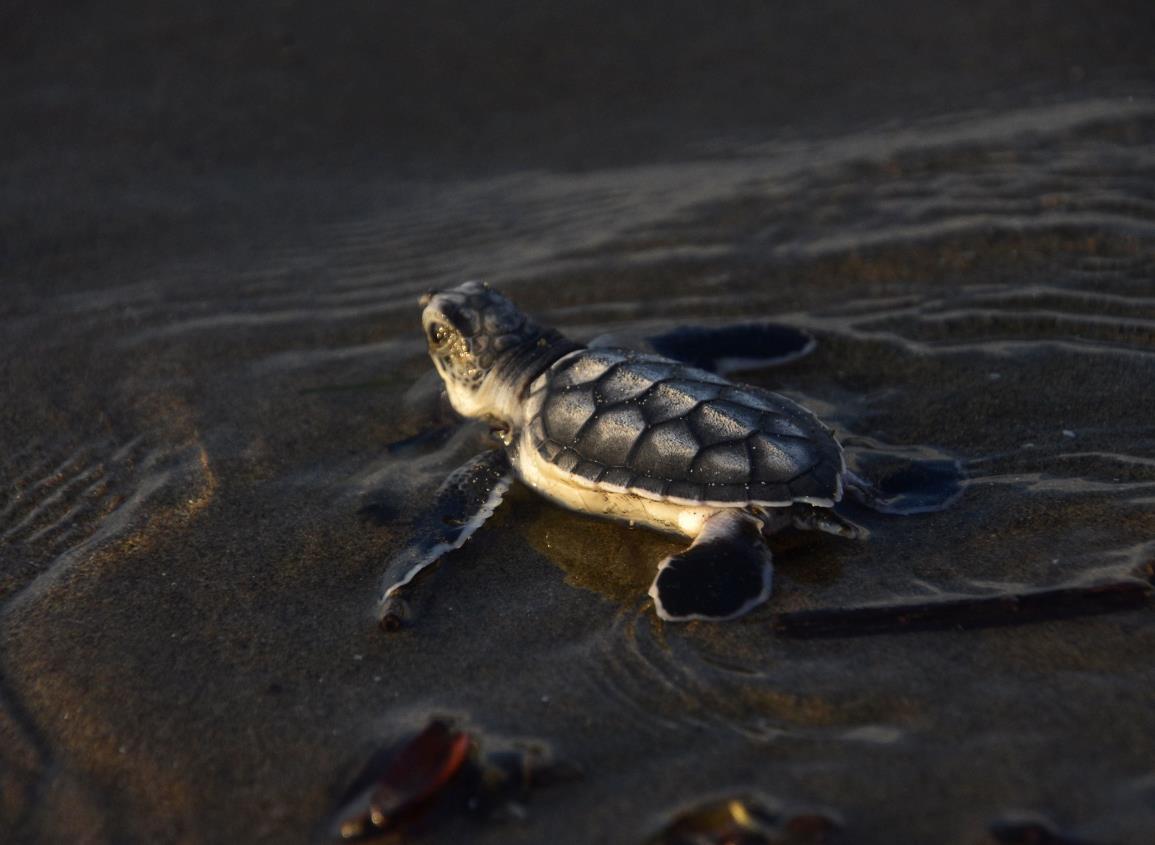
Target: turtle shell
(660, 429)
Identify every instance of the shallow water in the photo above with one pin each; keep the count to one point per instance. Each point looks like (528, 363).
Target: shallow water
(200, 500)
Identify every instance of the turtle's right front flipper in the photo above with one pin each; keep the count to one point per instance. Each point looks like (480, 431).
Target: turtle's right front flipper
(464, 501)
(725, 573)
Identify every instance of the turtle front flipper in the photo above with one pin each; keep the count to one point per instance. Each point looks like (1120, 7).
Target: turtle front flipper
(725, 573)
(467, 498)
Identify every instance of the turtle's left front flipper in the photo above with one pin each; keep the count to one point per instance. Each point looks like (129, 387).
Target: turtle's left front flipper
(464, 501)
(725, 573)
(719, 349)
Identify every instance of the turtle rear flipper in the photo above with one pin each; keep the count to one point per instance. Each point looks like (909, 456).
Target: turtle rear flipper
(467, 498)
(725, 573)
(809, 518)
(908, 486)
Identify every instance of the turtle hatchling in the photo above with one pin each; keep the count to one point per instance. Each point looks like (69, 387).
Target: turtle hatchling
(635, 437)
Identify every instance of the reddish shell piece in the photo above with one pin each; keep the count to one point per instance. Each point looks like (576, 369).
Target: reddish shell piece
(421, 770)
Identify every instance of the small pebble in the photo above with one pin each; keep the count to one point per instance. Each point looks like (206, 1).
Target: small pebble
(1068, 433)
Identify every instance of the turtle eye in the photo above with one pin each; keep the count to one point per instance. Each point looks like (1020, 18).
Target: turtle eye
(438, 333)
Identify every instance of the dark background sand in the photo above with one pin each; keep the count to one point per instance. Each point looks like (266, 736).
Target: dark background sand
(214, 222)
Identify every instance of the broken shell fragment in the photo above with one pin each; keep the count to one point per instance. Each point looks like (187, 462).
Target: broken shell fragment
(441, 771)
(395, 790)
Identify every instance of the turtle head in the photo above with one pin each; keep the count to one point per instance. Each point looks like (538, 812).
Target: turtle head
(486, 350)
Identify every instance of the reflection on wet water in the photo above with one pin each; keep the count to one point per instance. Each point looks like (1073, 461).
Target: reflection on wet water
(594, 554)
(981, 299)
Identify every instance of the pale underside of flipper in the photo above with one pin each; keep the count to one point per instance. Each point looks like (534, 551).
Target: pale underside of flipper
(724, 574)
(466, 499)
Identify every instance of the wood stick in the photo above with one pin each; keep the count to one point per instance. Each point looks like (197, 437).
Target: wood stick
(969, 613)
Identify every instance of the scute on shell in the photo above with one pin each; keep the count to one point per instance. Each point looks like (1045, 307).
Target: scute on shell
(661, 429)
(581, 369)
(566, 412)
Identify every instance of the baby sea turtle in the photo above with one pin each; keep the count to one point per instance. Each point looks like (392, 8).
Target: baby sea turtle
(635, 437)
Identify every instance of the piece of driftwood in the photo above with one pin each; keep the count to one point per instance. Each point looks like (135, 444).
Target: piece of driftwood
(970, 612)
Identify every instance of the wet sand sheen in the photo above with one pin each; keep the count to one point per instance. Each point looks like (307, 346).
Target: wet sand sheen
(200, 499)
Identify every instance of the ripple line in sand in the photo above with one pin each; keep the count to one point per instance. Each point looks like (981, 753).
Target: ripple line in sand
(619, 675)
(131, 498)
(663, 680)
(1050, 299)
(1042, 483)
(1053, 470)
(962, 325)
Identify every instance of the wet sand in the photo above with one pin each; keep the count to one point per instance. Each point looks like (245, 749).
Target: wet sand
(216, 226)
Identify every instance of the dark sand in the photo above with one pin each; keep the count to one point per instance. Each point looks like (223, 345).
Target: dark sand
(214, 224)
